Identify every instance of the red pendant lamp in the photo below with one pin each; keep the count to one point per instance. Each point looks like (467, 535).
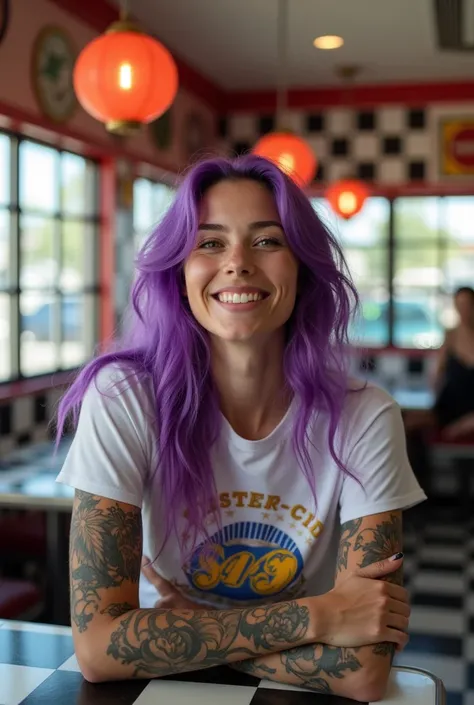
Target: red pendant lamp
(125, 78)
(290, 152)
(347, 197)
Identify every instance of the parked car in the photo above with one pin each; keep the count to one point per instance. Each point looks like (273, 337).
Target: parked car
(39, 324)
(415, 326)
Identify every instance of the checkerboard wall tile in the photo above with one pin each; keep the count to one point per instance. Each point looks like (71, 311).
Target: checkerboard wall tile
(388, 145)
(27, 419)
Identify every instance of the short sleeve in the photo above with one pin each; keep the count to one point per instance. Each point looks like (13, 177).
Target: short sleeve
(378, 459)
(110, 453)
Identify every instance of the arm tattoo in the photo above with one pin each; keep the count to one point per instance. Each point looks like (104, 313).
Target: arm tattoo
(105, 550)
(312, 666)
(376, 545)
(348, 531)
(159, 642)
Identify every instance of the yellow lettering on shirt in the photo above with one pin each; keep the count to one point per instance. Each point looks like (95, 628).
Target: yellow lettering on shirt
(240, 498)
(295, 509)
(272, 502)
(256, 500)
(225, 500)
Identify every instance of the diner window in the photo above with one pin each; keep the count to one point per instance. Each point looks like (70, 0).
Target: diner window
(151, 200)
(365, 243)
(48, 258)
(406, 256)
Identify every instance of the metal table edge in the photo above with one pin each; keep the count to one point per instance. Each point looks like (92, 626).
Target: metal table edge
(440, 692)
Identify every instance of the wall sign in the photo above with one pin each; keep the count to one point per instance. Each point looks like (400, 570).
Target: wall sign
(52, 64)
(457, 147)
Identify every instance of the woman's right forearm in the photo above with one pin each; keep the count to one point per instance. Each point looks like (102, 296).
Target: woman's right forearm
(150, 643)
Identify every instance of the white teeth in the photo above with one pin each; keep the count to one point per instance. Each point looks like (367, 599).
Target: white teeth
(229, 298)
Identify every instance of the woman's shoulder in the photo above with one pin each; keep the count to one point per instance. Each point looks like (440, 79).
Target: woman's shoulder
(362, 397)
(116, 388)
(364, 404)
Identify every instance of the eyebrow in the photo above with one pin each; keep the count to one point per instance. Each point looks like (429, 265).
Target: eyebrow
(258, 225)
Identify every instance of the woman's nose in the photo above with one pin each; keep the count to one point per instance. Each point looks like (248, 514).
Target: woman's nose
(239, 261)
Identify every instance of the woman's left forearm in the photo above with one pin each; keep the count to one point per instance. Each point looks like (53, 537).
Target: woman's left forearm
(360, 673)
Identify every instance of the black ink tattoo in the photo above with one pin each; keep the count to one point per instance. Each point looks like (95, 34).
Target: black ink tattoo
(105, 551)
(377, 544)
(312, 666)
(159, 642)
(381, 542)
(253, 668)
(117, 609)
(348, 531)
(386, 648)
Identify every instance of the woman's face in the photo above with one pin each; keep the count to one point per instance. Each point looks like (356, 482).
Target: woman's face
(464, 302)
(241, 277)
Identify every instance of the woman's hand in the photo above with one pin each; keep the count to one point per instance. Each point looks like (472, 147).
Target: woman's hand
(170, 597)
(364, 609)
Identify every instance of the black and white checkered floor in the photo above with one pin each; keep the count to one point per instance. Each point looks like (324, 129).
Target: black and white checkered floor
(439, 570)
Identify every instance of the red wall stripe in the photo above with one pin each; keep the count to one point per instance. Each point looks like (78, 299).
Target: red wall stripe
(407, 94)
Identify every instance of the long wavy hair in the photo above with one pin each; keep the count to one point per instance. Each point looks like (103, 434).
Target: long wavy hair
(166, 345)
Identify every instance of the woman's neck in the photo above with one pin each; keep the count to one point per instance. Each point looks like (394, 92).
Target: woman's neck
(251, 386)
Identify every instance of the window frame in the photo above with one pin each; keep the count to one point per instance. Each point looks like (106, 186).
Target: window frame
(440, 243)
(90, 290)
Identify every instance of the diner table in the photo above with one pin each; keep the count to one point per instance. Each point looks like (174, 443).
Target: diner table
(28, 482)
(38, 667)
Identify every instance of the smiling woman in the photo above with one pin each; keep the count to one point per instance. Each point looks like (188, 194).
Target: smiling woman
(240, 250)
(225, 440)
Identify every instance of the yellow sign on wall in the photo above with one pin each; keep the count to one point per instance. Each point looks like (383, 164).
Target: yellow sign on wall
(457, 147)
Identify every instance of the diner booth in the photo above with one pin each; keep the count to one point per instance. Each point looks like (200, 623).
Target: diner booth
(383, 143)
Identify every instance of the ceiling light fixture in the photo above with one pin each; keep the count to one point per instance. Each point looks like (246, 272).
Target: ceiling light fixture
(125, 78)
(290, 152)
(328, 41)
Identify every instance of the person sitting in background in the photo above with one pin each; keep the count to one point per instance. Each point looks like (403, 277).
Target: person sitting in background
(454, 375)
(227, 440)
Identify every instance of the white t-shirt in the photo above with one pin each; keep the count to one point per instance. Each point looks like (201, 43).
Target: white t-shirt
(273, 543)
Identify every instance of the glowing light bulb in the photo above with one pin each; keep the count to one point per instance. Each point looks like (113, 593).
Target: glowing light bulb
(125, 76)
(347, 202)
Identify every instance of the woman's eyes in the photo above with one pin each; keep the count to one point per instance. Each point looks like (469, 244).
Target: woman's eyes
(208, 245)
(273, 241)
(264, 241)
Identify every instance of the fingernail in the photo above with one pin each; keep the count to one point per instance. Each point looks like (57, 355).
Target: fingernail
(396, 557)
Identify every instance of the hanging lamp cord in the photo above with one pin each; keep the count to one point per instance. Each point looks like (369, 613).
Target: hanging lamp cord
(282, 50)
(124, 10)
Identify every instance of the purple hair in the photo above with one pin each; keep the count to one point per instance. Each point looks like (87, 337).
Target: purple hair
(166, 345)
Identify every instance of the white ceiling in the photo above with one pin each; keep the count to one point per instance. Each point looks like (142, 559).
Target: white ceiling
(233, 42)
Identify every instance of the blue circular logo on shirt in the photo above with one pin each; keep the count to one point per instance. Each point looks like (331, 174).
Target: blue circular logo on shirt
(245, 561)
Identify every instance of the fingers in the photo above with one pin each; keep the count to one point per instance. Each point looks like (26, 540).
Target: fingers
(397, 621)
(397, 637)
(397, 607)
(397, 592)
(381, 568)
(400, 647)
(162, 585)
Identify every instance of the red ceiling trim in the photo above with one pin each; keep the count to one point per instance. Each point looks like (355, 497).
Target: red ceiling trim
(409, 94)
(98, 14)
(62, 136)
